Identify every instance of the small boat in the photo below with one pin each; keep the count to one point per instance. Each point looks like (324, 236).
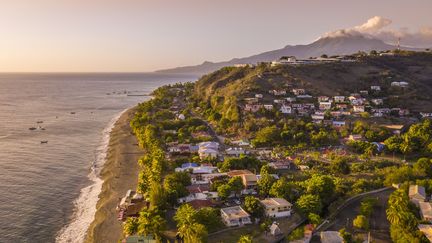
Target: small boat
(32, 128)
(73, 112)
(44, 141)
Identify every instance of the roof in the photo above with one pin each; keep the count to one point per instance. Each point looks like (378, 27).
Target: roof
(275, 202)
(140, 239)
(417, 190)
(198, 188)
(188, 165)
(235, 212)
(427, 230)
(233, 173)
(426, 209)
(200, 203)
(249, 178)
(330, 237)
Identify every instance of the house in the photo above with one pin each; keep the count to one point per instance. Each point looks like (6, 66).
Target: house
(417, 194)
(357, 101)
(241, 142)
(278, 92)
(197, 204)
(323, 98)
(404, 112)
(208, 153)
(339, 99)
(274, 229)
(250, 183)
(268, 107)
(276, 207)
(259, 96)
(377, 101)
(299, 91)
(235, 216)
(338, 124)
(208, 150)
(331, 237)
(425, 114)
(426, 211)
(325, 105)
(186, 167)
(235, 151)
(286, 109)
(364, 92)
(358, 108)
(280, 165)
(130, 205)
(180, 148)
(198, 191)
(278, 101)
(253, 107)
(203, 169)
(355, 137)
(140, 239)
(305, 96)
(401, 84)
(375, 88)
(181, 117)
(342, 106)
(317, 117)
(291, 99)
(427, 230)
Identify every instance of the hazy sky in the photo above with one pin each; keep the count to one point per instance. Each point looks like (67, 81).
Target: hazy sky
(132, 35)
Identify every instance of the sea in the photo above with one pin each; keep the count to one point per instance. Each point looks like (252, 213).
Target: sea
(49, 176)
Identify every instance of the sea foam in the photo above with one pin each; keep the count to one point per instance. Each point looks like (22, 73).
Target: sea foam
(85, 204)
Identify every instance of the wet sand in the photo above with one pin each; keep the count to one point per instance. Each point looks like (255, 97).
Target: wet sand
(120, 173)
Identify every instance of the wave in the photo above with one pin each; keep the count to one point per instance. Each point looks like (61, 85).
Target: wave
(85, 204)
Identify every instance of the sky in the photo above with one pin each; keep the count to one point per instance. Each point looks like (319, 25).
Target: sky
(147, 35)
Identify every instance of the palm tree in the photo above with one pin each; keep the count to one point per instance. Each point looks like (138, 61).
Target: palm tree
(193, 233)
(131, 226)
(151, 223)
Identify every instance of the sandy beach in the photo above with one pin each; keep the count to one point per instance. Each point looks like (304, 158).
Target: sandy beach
(119, 174)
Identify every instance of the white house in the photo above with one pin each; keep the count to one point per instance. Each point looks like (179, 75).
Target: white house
(235, 151)
(323, 98)
(417, 194)
(339, 99)
(276, 207)
(259, 96)
(286, 109)
(359, 108)
(375, 88)
(426, 211)
(299, 91)
(325, 105)
(235, 216)
(291, 99)
(377, 101)
(268, 107)
(399, 84)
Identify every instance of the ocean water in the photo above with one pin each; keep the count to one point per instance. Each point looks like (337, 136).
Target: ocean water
(48, 191)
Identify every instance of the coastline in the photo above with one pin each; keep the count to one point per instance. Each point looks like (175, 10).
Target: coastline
(119, 173)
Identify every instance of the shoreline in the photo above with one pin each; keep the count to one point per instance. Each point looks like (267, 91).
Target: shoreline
(119, 173)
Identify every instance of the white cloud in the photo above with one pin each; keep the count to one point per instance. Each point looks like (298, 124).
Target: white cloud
(378, 27)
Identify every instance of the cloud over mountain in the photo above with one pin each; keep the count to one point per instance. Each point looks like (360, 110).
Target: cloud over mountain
(378, 27)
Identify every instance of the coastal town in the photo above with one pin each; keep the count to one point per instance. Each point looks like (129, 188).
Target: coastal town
(282, 163)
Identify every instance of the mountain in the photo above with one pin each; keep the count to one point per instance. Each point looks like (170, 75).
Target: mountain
(330, 45)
